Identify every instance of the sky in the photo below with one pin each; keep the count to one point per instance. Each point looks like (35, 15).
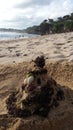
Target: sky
(21, 14)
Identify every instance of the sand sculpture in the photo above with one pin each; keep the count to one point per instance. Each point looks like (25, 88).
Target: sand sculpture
(38, 94)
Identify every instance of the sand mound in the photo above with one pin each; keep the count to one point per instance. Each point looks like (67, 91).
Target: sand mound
(11, 77)
(60, 117)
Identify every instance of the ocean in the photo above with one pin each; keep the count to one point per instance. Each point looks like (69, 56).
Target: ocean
(14, 35)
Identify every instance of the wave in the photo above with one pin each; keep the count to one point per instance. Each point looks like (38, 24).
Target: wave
(14, 35)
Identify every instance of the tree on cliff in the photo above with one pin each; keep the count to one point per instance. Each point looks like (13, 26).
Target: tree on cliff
(44, 27)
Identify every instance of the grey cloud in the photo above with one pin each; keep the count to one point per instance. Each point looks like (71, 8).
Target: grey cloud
(33, 12)
(24, 22)
(33, 3)
(21, 22)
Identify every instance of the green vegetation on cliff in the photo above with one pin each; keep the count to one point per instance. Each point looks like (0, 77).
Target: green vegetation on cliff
(33, 30)
(62, 24)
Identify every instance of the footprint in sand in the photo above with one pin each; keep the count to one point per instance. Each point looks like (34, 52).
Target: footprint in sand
(2, 56)
(70, 58)
(36, 43)
(12, 47)
(69, 54)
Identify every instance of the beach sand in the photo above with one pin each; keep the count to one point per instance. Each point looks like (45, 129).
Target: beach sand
(15, 60)
(55, 47)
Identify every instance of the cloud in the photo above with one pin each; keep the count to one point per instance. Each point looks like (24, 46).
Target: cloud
(25, 13)
(33, 3)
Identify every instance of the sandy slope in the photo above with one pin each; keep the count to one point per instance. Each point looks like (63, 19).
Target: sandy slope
(56, 48)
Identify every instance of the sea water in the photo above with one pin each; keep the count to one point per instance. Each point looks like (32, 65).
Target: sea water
(14, 35)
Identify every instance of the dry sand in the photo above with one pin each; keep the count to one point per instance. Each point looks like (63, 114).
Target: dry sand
(15, 56)
(55, 47)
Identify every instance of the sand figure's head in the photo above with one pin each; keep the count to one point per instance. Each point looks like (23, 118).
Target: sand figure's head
(40, 61)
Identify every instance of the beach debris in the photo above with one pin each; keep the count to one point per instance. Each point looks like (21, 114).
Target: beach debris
(38, 94)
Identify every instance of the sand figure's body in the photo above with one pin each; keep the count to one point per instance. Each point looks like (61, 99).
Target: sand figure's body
(38, 94)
